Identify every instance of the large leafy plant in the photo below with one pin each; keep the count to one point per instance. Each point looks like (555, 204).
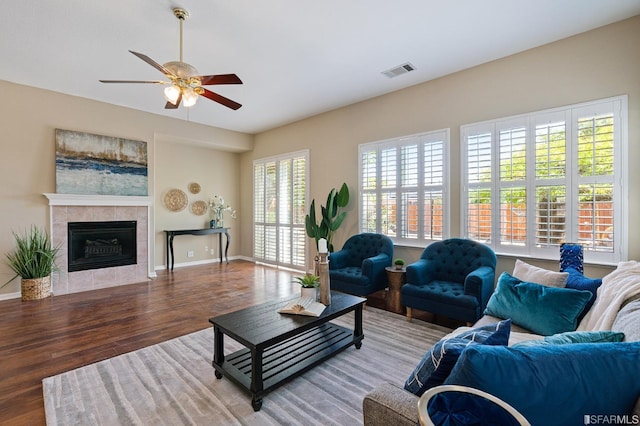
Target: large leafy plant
(34, 255)
(332, 216)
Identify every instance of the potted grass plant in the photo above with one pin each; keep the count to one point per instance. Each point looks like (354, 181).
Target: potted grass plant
(33, 260)
(399, 263)
(309, 284)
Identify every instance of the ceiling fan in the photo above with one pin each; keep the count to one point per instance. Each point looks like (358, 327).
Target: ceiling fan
(185, 84)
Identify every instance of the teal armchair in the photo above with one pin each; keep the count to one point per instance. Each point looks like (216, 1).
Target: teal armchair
(453, 278)
(359, 268)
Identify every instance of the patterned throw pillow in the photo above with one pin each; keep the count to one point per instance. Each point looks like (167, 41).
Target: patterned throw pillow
(434, 368)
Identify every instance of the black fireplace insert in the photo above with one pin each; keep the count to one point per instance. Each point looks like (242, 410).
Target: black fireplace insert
(95, 245)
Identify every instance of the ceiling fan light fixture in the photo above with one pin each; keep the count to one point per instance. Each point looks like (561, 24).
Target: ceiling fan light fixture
(172, 93)
(189, 97)
(181, 69)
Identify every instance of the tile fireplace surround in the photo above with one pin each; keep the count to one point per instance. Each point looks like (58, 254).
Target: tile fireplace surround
(64, 208)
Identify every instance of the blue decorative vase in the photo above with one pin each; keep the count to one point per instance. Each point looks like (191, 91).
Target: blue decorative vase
(212, 223)
(571, 256)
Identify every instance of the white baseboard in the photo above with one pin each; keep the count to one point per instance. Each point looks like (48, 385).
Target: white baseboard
(8, 296)
(200, 262)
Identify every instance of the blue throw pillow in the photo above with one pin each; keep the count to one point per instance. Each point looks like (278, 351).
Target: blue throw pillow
(555, 384)
(541, 309)
(435, 366)
(576, 337)
(578, 281)
(459, 408)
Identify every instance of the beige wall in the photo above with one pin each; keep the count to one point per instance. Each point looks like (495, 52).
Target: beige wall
(217, 172)
(28, 117)
(597, 64)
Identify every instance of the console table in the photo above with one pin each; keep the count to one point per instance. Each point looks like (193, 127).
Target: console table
(169, 234)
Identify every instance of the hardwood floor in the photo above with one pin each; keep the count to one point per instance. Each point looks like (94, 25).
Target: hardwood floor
(47, 337)
(51, 336)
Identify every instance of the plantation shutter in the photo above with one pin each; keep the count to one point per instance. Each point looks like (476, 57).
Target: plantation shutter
(280, 194)
(479, 180)
(402, 187)
(433, 190)
(512, 183)
(596, 227)
(368, 190)
(538, 180)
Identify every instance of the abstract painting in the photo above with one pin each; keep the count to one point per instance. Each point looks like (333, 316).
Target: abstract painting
(100, 165)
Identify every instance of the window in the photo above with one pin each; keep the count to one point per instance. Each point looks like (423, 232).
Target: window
(279, 196)
(537, 180)
(404, 188)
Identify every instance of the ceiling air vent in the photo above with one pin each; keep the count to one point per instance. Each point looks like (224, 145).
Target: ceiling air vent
(399, 70)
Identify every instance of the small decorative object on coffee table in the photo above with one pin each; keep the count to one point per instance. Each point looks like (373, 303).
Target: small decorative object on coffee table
(309, 284)
(304, 306)
(322, 266)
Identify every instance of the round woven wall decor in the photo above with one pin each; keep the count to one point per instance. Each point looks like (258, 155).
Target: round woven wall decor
(175, 200)
(198, 207)
(194, 188)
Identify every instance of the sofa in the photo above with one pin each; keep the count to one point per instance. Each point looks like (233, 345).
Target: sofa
(391, 404)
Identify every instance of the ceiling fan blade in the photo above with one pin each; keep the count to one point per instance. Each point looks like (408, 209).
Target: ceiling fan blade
(219, 79)
(220, 99)
(154, 64)
(169, 105)
(134, 81)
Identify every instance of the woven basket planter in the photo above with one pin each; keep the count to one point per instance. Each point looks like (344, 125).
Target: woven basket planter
(36, 288)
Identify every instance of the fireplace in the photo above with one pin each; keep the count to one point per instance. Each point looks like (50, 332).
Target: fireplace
(95, 245)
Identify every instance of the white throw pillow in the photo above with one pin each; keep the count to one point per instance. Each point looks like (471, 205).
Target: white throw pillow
(525, 272)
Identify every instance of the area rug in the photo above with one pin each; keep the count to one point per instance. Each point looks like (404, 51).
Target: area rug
(173, 383)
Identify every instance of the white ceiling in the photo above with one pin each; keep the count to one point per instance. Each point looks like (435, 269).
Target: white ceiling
(297, 58)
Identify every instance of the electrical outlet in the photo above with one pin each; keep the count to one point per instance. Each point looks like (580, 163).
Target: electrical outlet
(211, 252)
(190, 253)
(206, 249)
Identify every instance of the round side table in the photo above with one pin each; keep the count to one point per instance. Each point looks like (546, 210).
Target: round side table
(396, 278)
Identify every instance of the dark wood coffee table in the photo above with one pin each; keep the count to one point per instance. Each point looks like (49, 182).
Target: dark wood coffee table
(280, 347)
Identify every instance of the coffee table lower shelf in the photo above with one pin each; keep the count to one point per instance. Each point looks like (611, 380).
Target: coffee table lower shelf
(283, 361)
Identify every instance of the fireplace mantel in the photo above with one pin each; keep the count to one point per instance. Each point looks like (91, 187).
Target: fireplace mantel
(96, 200)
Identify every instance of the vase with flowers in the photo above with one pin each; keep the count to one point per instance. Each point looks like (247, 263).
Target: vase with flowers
(217, 208)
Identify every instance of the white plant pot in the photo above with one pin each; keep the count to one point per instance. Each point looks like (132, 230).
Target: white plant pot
(309, 292)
